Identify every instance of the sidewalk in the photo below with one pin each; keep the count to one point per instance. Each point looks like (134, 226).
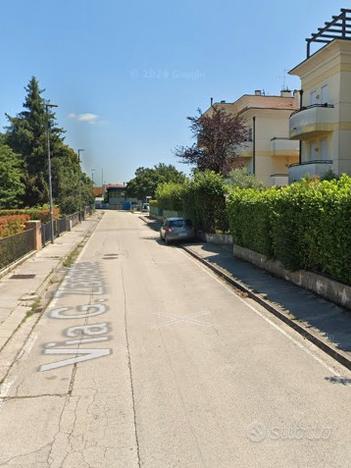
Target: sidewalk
(21, 288)
(324, 319)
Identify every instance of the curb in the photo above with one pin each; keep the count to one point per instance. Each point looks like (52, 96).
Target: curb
(336, 354)
(16, 263)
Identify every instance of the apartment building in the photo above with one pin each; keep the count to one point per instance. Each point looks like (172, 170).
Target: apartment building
(268, 151)
(322, 125)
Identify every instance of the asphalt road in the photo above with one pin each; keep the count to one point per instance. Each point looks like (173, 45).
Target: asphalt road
(145, 358)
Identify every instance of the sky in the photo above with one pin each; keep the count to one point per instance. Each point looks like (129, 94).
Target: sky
(126, 74)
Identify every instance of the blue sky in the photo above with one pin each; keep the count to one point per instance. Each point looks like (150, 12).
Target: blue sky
(126, 74)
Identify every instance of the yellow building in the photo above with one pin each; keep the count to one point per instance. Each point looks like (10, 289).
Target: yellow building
(323, 123)
(268, 151)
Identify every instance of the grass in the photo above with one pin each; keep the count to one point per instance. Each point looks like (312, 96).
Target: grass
(36, 308)
(72, 257)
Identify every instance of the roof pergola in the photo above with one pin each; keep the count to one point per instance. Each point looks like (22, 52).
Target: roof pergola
(338, 28)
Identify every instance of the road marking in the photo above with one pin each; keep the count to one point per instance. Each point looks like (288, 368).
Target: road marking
(274, 325)
(191, 318)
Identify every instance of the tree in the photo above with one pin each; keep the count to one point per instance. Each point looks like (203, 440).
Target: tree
(147, 179)
(218, 134)
(11, 175)
(27, 136)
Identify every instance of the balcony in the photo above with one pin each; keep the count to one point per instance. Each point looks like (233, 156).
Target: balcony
(278, 180)
(315, 168)
(311, 121)
(284, 147)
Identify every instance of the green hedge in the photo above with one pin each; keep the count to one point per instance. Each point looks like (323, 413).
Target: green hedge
(305, 225)
(202, 199)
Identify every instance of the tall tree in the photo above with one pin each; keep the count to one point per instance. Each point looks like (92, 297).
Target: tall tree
(11, 177)
(147, 179)
(218, 134)
(27, 136)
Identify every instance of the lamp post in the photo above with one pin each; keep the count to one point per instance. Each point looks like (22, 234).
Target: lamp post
(80, 179)
(254, 145)
(47, 107)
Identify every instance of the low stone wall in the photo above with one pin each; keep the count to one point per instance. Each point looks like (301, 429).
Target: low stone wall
(222, 239)
(328, 288)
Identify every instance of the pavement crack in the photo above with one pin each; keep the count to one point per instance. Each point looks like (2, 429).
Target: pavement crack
(42, 395)
(130, 365)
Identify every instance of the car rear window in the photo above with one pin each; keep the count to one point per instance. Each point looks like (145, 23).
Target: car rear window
(176, 223)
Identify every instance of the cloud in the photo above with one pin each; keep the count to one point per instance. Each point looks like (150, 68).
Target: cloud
(86, 117)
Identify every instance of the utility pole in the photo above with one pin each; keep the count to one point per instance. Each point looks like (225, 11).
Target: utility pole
(47, 106)
(80, 150)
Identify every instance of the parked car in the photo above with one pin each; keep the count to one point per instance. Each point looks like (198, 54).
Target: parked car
(174, 229)
(145, 207)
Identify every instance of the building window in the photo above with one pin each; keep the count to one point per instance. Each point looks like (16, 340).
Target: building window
(249, 136)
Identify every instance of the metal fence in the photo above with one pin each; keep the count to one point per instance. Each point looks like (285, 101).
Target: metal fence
(14, 247)
(66, 223)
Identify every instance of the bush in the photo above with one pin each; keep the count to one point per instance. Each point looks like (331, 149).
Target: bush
(201, 199)
(243, 179)
(12, 224)
(250, 213)
(41, 213)
(204, 202)
(306, 225)
(170, 196)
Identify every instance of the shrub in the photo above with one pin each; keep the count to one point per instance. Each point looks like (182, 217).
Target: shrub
(306, 225)
(204, 202)
(242, 178)
(250, 213)
(40, 213)
(12, 224)
(170, 196)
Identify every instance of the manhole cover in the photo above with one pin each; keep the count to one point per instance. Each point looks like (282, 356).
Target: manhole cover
(29, 276)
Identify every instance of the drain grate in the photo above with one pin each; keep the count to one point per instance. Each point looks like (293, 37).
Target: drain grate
(112, 256)
(29, 276)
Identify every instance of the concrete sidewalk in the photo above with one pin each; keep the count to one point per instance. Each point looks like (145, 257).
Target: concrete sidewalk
(330, 322)
(22, 287)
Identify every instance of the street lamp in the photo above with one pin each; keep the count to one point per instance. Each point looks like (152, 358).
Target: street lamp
(254, 145)
(47, 107)
(80, 150)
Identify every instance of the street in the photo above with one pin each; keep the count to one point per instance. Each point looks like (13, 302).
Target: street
(145, 358)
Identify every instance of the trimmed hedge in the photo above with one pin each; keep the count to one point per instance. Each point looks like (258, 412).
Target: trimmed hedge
(13, 224)
(42, 213)
(306, 225)
(202, 199)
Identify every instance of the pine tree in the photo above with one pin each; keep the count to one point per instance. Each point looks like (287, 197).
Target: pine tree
(27, 136)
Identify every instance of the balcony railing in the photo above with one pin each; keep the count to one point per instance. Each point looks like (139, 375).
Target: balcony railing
(282, 146)
(311, 120)
(316, 168)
